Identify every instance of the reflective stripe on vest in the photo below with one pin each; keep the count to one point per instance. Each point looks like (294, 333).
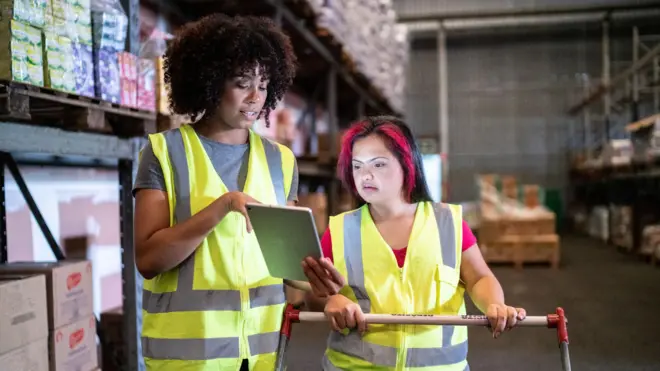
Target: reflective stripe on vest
(352, 344)
(185, 299)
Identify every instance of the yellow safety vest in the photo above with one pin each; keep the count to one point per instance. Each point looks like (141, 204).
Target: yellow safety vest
(220, 305)
(428, 284)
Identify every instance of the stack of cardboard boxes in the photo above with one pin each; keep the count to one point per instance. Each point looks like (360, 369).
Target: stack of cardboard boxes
(515, 227)
(23, 323)
(50, 317)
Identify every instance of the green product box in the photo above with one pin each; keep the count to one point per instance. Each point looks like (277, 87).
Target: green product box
(59, 64)
(21, 53)
(30, 12)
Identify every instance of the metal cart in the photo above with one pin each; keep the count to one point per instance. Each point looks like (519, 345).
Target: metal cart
(556, 321)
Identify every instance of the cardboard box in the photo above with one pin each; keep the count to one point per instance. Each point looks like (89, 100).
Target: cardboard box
(31, 357)
(23, 311)
(68, 286)
(73, 347)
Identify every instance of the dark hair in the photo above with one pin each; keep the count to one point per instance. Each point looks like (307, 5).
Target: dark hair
(400, 141)
(208, 52)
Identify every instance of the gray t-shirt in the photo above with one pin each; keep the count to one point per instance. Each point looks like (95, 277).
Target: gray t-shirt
(229, 160)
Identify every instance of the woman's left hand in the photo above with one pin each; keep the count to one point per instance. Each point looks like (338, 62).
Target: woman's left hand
(503, 318)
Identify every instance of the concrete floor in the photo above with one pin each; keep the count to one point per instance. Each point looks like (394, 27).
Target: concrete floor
(612, 301)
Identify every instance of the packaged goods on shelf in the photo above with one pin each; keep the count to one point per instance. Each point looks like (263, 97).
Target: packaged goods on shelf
(70, 324)
(369, 35)
(73, 347)
(512, 227)
(59, 61)
(128, 77)
(146, 98)
(621, 226)
(598, 223)
(84, 69)
(32, 357)
(106, 75)
(32, 12)
(650, 240)
(532, 195)
(70, 19)
(109, 26)
(162, 102)
(21, 54)
(617, 152)
(68, 287)
(24, 318)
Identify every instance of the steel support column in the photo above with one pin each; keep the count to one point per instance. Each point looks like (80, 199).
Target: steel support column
(443, 114)
(635, 77)
(607, 97)
(4, 256)
(656, 84)
(333, 126)
(331, 102)
(129, 271)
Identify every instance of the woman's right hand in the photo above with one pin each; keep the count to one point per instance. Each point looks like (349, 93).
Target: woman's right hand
(324, 278)
(237, 201)
(344, 313)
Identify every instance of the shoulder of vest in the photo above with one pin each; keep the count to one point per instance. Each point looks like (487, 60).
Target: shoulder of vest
(284, 150)
(445, 204)
(163, 133)
(341, 215)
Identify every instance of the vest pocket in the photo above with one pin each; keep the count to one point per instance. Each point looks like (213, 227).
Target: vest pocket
(447, 279)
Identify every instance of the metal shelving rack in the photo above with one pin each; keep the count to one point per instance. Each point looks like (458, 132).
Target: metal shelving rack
(622, 93)
(65, 148)
(611, 105)
(27, 144)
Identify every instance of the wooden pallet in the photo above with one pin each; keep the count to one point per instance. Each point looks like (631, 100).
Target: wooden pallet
(45, 106)
(520, 250)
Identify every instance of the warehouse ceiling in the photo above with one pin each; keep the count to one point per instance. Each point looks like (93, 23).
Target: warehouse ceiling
(418, 10)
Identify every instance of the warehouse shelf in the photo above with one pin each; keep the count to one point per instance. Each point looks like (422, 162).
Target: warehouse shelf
(50, 107)
(613, 96)
(35, 131)
(617, 170)
(54, 147)
(318, 52)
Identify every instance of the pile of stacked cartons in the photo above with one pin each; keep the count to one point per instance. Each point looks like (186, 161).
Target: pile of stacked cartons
(621, 226)
(515, 227)
(371, 37)
(47, 322)
(651, 242)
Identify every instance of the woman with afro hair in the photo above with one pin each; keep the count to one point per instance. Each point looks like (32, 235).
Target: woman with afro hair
(209, 302)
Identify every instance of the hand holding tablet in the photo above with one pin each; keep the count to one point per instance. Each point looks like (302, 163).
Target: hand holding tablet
(286, 235)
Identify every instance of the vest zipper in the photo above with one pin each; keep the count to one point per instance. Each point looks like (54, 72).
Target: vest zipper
(401, 364)
(244, 295)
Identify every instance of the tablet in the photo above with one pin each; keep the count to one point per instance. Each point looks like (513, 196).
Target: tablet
(286, 236)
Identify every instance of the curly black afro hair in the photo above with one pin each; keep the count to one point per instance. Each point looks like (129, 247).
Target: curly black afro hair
(208, 52)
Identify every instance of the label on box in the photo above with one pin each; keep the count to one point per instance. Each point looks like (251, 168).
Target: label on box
(73, 293)
(74, 346)
(23, 311)
(31, 357)
(69, 287)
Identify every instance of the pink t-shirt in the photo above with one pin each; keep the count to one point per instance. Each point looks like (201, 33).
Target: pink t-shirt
(469, 240)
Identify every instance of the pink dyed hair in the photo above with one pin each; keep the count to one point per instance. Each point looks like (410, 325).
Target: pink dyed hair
(396, 142)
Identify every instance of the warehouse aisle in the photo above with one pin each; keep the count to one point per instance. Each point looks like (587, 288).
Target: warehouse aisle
(612, 301)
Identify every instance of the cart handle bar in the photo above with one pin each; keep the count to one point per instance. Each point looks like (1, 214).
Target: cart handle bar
(555, 320)
(412, 319)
